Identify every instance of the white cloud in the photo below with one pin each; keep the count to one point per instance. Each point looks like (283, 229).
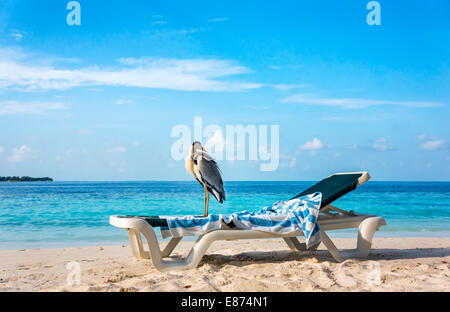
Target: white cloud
(29, 108)
(353, 147)
(433, 144)
(136, 144)
(174, 74)
(313, 145)
(354, 102)
(84, 131)
(118, 149)
(218, 19)
(381, 144)
(142, 72)
(21, 153)
(1, 150)
(16, 35)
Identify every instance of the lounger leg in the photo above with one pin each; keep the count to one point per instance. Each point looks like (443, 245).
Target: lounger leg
(190, 262)
(365, 234)
(367, 229)
(337, 255)
(136, 245)
(136, 227)
(170, 246)
(294, 244)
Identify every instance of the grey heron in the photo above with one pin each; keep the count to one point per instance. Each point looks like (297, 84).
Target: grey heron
(206, 171)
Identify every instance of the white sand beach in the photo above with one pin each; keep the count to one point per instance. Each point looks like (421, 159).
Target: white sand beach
(404, 264)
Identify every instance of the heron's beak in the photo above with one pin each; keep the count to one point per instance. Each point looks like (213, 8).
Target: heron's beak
(204, 150)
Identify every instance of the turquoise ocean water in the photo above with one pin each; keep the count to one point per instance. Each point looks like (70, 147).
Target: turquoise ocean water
(63, 214)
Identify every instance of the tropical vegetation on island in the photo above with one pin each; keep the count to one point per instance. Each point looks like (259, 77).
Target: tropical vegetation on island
(25, 179)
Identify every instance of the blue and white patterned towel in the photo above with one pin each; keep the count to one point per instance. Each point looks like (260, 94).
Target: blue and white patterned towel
(282, 217)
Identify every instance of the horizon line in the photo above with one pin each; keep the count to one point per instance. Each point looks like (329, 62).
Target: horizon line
(227, 181)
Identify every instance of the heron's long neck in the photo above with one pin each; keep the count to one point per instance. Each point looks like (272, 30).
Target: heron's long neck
(189, 164)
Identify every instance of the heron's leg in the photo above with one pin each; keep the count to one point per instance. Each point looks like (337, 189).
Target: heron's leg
(207, 203)
(204, 208)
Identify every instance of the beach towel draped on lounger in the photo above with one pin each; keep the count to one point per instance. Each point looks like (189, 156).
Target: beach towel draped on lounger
(283, 217)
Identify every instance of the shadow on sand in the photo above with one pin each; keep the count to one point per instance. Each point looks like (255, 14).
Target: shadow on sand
(261, 257)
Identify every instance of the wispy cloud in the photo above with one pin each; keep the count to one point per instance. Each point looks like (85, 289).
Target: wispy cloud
(174, 74)
(186, 31)
(288, 161)
(287, 87)
(13, 53)
(421, 136)
(218, 19)
(381, 144)
(17, 54)
(141, 72)
(17, 35)
(306, 99)
(21, 153)
(29, 108)
(431, 143)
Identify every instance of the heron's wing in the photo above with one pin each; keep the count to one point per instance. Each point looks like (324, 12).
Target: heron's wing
(210, 175)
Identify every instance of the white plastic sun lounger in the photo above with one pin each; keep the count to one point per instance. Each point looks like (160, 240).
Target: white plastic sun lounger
(331, 218)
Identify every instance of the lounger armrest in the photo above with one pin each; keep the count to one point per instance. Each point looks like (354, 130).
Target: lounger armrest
(126, 222)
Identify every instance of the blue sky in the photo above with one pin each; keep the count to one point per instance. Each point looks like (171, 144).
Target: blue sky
(98, 101)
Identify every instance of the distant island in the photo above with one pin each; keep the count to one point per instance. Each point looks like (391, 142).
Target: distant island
(25, 179)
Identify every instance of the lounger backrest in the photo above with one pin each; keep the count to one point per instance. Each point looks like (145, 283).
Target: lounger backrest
(336, 186)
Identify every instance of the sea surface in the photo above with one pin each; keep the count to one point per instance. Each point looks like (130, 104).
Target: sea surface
(65, 214)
